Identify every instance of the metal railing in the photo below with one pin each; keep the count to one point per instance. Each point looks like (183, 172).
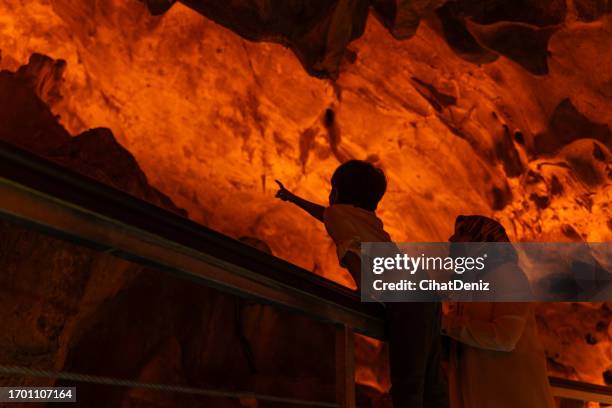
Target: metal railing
(51, 199)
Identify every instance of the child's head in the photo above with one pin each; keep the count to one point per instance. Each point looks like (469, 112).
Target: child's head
(358, 183)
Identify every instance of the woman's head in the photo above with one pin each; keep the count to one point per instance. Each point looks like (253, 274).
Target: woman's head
(481, 229)
(478, 228)
(479, 236)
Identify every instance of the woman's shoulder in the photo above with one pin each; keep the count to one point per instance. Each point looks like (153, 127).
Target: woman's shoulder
(509, 280)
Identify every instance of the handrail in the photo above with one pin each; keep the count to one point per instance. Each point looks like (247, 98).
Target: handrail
(47, 197)
(581, 391)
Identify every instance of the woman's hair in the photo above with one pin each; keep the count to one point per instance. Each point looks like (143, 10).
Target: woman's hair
(481, 229)
(359, 183)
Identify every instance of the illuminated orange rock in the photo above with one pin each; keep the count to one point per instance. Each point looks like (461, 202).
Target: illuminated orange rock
(456, 118)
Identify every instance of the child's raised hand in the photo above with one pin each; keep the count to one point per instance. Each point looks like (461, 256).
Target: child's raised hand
(283, 193)
(311, 208)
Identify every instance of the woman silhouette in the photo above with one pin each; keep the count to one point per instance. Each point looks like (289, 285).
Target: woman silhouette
(496, 359)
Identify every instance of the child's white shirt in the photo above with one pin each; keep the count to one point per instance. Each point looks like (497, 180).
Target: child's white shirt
(349, 226)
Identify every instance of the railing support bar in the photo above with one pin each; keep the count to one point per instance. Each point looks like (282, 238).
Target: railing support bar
(345, 367)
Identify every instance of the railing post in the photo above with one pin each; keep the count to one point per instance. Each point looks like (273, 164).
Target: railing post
(345, 367)
(569, 403)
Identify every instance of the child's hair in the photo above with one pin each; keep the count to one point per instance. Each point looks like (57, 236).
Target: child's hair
(359, 183)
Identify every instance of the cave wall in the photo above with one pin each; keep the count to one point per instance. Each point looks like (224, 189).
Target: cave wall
(460, 114)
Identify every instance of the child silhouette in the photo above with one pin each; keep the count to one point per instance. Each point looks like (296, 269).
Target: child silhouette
(413, 328)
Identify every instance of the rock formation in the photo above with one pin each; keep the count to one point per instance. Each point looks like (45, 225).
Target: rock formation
(462, 116)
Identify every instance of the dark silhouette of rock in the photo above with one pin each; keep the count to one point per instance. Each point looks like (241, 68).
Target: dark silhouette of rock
(256, 243)
(318, 31)
(566, 125)
(589, 161)
(590, 339)
(293, 356)
(28, 122)
(25, 119)
(402, 17)
(509, 156)
(45, 76)
(97, 154)
(437, 99)
(535, 12)
(458, 36)
(158, 7)
(607, 377)
(524, 44)
(509, 39)
(591, 10)
(499, 197)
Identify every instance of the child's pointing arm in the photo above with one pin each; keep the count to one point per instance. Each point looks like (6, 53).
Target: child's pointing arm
(311, 208)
